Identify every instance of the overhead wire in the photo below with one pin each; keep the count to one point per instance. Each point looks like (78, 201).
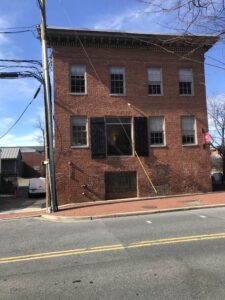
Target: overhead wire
(18, 28)
(23, 112)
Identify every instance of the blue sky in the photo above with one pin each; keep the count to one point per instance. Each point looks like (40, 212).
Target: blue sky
(124, 15)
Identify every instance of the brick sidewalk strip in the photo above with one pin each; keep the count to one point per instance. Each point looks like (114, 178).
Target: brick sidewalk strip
(129, 207)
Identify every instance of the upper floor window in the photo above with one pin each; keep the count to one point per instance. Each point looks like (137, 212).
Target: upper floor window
(118, 133)
(154, 81)
(188, 129)
(185, 82)
(77, 79)
(117, 76)
(156, 125)
(119, 136)
(79, 131)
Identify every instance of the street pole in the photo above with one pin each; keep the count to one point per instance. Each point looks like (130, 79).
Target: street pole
(0, 170)
(48, 112)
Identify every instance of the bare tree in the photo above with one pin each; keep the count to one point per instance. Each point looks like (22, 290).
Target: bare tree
(216, 112)
(206, 15)
(40, 125)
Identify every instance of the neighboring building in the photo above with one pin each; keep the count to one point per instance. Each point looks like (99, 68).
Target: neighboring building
(11, 168)
(216, 161)
(11, 161)
(120, 94)
(33, 158)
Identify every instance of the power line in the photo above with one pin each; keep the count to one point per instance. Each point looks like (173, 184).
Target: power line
(18, 119)
(19, 28)
(32, 61)
(16, 31)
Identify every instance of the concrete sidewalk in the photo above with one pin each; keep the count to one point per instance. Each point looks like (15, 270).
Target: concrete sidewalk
(126, 207)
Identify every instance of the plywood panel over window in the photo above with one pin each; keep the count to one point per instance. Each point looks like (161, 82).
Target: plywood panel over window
(120, 185)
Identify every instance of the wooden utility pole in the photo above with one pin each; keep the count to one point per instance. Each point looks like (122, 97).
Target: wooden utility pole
(50, 168)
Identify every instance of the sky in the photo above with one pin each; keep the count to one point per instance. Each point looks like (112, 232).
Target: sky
(122, 15)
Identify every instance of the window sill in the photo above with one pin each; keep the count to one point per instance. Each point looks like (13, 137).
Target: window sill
(158, 146)
(79, 147)
(190, 145)
(186, 95)
(155, 95)
(120, 156)
(117, 95)
(78, 94)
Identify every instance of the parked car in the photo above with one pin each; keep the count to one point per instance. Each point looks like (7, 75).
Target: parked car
(37, 186)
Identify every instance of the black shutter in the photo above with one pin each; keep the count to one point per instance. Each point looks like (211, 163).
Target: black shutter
(98, 138)
(141, 135)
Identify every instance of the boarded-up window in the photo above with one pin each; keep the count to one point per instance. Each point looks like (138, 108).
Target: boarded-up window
(120, 185)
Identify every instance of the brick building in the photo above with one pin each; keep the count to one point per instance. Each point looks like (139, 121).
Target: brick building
(129, 109)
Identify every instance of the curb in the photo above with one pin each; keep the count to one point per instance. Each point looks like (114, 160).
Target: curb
(125, 200)
(127, 214)
(20, 217)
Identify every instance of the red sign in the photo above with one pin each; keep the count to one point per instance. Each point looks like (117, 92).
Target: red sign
(206, 138)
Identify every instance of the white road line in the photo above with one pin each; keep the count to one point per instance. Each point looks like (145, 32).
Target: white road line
(149, 222)
(202, 216)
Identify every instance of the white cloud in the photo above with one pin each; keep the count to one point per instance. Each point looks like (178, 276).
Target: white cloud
(3, 24)
(12, 140)
(5, 123)
(17, 91)
(9, 49)
(131, 20)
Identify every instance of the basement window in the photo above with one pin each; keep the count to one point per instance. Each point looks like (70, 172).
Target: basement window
(120, 184)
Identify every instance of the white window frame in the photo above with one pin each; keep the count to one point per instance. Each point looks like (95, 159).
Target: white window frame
(87, 132)
(85, 79)
(195, 132)
(161, 81)
(192, 82)
(124, 80)
(164, 133)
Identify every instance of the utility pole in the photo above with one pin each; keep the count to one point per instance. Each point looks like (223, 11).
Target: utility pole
(0, 170)
(48, 113)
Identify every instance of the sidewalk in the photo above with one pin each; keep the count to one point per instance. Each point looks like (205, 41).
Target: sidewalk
(126, 207)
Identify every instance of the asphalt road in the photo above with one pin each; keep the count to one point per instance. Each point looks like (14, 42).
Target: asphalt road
(164, 256)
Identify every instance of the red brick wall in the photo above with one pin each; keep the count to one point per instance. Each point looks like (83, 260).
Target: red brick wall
(32, 160)
(174, 168)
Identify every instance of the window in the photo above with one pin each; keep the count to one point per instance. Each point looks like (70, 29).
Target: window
(77, 77)
(154, 81)
(117, 81)
(188, 130)
(112, 136)
(156, 130)
(120, 184)
(118, 132)
(79, 131)
(185, 82)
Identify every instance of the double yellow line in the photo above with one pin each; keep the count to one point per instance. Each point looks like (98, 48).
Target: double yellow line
(173, 240)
